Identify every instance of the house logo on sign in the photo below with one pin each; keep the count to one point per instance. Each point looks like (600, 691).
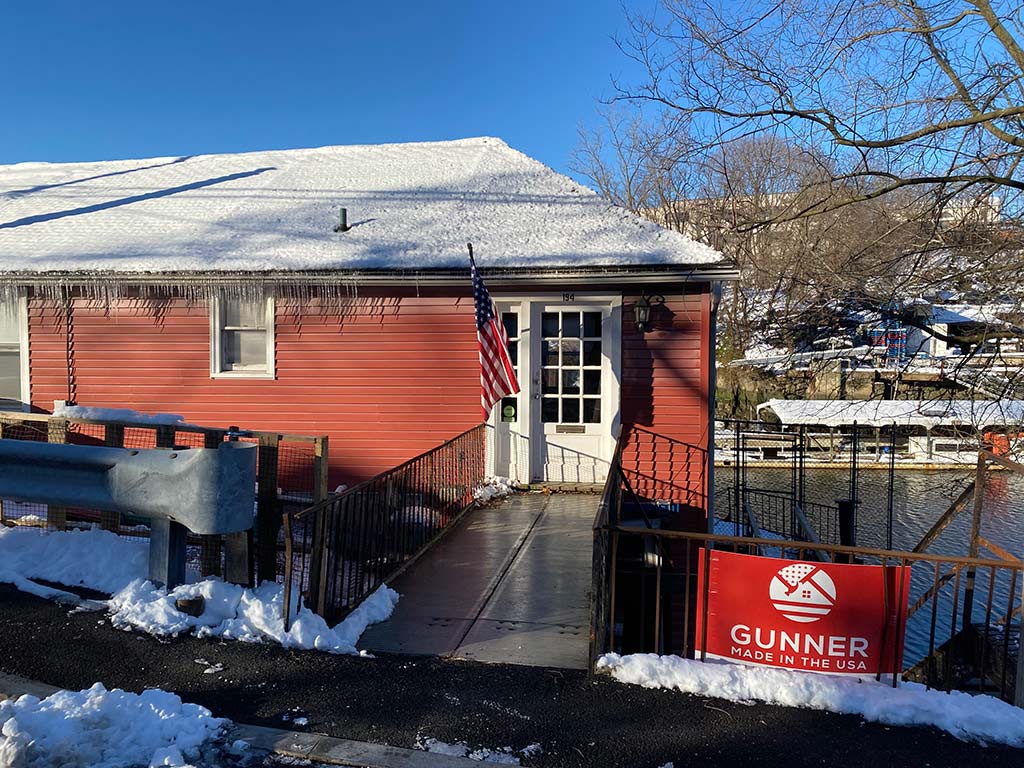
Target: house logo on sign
(802, 592)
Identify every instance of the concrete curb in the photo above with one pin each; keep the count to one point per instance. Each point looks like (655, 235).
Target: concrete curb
(302, 745)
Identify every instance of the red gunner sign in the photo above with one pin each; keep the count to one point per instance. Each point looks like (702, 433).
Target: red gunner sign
(813, 617)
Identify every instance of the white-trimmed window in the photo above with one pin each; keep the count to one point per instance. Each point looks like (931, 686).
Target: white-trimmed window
(242, 338)
(14, 388)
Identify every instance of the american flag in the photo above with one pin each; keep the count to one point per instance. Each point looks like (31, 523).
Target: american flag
(497, 377)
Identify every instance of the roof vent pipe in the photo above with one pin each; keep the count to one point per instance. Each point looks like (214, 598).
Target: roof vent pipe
(342, 221)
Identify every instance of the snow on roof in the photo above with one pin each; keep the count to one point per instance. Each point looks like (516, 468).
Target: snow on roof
(882, 413)
(411, 206)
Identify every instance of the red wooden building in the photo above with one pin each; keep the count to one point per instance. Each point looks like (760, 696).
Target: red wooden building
(222, 287)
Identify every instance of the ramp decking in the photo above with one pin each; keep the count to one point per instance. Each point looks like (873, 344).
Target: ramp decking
(509, 584)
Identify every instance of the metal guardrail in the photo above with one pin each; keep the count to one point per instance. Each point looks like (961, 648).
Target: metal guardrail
(340, 550)
(295, 464)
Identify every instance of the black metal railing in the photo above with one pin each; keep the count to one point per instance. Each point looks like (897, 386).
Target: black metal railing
(339, 551)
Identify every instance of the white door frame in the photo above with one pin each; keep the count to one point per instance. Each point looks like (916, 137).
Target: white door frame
(528, 417)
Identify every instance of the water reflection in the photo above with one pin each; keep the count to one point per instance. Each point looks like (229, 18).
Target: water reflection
(919, 499)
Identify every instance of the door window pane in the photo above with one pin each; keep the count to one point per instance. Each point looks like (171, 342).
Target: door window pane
(570, 410)
(549, 352)
(591, 382)
(591, 410)
(592, 324)
(549, 325)
(549, 409)
(571, 324)
(509, 409)
(513, 353)
(591, 352)
(10, 374)
(549, 382)
(570, 382)
(570, 352)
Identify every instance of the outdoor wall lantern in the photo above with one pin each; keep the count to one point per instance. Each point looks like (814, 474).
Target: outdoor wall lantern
(642, 311)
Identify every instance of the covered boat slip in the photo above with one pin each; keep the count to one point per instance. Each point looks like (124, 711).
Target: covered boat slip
(508, 584)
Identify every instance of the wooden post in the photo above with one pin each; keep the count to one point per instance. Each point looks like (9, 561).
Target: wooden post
(979, 505)
(56, 432)
(209, 546)
(113, 437)
(268, 513)
(316, 559)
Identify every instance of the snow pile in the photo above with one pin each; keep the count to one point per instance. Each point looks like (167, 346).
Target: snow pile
(103, 729)
(249, 615)
(103, 561)
(503, 756)
(979, 718)
(494, 488)
(117, 414)
(95, 559)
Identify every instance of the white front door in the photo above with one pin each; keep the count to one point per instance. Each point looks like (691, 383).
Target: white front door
(560, 427)
(574, 389)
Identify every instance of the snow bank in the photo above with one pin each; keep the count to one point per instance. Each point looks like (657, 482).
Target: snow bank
(103, 561)
(494, 488)
(95, 559)
(977, 718)
(117, 414)
(103, 729)
(249, 615)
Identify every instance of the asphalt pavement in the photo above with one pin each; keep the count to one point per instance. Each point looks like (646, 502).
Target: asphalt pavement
(403, 700)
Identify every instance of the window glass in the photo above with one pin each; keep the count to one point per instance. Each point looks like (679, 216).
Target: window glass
(245, 314)
(570, 410)
(243, 336)
(10, 374)
(244, 350)
(591, 410)
(592, 324)
(10, 323)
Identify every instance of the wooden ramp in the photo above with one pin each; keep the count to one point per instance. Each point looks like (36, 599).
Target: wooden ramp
(508, 584)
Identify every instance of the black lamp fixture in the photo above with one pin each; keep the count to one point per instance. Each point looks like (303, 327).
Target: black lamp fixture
(642, 311)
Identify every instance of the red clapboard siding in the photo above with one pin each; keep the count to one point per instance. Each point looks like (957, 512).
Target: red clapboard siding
(384, 378)
(665, 377)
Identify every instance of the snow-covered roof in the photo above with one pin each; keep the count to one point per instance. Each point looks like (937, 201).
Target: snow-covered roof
(411, 207)
(882, 413)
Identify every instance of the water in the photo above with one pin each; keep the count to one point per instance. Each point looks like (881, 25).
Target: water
(919, 499)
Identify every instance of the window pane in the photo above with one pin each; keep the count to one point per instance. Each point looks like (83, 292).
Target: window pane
(570, 352)
(592, 324)
(570, 382)
(591, 352)
(591, 410)
(9, 322)
(10, 375)
(549, 352)
(244, 314)
(571, 324)
(244, 350)
(549, 382)
(591, 382)
(549, 325)
(513, 352)
(549, 410)
(570, 410)
(511, 322)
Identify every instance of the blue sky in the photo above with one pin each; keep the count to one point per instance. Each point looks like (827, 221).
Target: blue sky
(102, 80)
